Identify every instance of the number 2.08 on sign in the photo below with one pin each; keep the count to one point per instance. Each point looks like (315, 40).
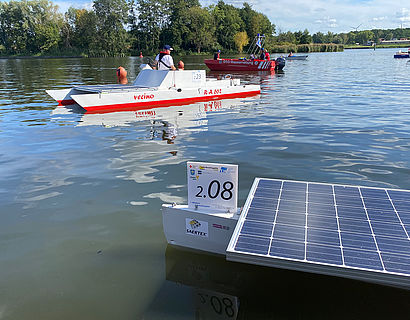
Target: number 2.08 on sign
(212, 186)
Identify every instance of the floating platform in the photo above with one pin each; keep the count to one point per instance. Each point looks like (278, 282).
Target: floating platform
(354, 232)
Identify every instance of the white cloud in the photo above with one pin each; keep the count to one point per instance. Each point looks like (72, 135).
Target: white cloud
(316, 15)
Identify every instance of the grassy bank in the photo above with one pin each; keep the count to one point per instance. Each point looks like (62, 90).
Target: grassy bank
(313, 47)
(403, 45)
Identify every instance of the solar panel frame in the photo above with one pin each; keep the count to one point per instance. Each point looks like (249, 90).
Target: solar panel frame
(340, 238)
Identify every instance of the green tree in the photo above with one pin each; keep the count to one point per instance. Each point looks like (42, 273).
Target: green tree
(29, 27)
(149, 23)
(176, 31)
(201, 29)
(256, 22)
(111, 38)
(228, 23)
(79, 29)
(241, 39)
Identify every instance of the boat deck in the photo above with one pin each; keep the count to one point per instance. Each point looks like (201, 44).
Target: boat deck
(112, 88)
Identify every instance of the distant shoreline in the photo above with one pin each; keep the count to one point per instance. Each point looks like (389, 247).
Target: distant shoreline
(39, 57)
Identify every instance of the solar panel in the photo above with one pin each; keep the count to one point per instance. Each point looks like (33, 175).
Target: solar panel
(349, 231)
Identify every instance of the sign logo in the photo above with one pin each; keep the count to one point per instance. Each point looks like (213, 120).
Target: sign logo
(192, 172)
(223, 169)
(196, 228)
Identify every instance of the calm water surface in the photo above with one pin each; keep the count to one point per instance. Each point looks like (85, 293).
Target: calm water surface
(80, 195)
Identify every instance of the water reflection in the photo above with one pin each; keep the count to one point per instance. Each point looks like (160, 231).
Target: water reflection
(228, 290)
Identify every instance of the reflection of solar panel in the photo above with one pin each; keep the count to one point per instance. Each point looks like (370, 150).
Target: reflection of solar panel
(355, 232)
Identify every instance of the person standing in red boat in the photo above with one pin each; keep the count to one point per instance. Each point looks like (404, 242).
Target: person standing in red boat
(164, 60)
(267, 55)
(216, 55)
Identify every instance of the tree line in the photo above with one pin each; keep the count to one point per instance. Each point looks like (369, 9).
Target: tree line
(128, 27)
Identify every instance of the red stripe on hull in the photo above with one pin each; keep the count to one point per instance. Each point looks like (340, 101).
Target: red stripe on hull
(239, 65)
(65, 102)
(155, 104)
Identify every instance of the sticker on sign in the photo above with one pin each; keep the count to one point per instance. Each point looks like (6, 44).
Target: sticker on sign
(212, 186)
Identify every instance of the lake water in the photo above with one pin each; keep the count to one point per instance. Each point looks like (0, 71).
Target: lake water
(80, 195)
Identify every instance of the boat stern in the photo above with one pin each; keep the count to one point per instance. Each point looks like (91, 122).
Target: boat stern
(196, 229)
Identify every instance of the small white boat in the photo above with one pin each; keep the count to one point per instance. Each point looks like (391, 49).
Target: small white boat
(298, 57)
(154, 88)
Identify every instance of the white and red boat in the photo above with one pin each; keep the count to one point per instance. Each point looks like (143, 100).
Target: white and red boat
(245, 64)
(153, 88)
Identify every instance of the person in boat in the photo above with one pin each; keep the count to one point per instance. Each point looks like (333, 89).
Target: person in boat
(252, 57)
(217, 54)
(164, 60)
(181, 65)
(290, 54)
(262, 55)
(267, 55)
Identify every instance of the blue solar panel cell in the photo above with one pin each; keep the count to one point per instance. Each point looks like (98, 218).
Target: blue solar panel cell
(349, 201)
(403, 206)
(264, 203)
(320, 236)
(293, 196)
(257, 228)
(322, 222)
(404, 217)
(261, 215)
(289, 218)
(292, 206)
(396, 263)
(294, 186)
(362, 259)
(389, 229)
(383, 215)
(380, 204)
(321, 209)
(286, 232)
(346, 191)
(324, 254)
(252, 244)
(321, 198)
(288, 249)
(398, 195)
(320, 188)
(358, 241)
(327, 226)
(269, 184)
(393, 245)
(357, 226)
(373, 193)
(351, 213)
(267, 193)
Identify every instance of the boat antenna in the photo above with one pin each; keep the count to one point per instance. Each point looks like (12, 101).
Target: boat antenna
(257, 44)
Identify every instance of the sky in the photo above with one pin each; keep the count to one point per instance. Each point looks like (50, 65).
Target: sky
(315, 15)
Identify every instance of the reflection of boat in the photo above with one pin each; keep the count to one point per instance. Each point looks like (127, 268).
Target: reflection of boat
(249, 290)
(165, 122)
(186, 116)
(245, 64)
(153, 88)
(298, 57)
(401, 54)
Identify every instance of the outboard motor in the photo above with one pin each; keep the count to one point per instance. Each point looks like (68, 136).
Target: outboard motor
(280, 63)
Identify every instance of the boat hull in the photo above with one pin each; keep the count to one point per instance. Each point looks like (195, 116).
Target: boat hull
(98, 103)
(402, 56)
(240, 65)
(296, 57)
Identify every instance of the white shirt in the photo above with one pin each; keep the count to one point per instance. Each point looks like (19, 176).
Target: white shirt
(167, 59)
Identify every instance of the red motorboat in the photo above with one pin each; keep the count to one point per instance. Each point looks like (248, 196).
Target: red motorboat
(245, 65)
(250, 64)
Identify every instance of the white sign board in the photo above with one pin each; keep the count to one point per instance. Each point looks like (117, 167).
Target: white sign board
(212, 186)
